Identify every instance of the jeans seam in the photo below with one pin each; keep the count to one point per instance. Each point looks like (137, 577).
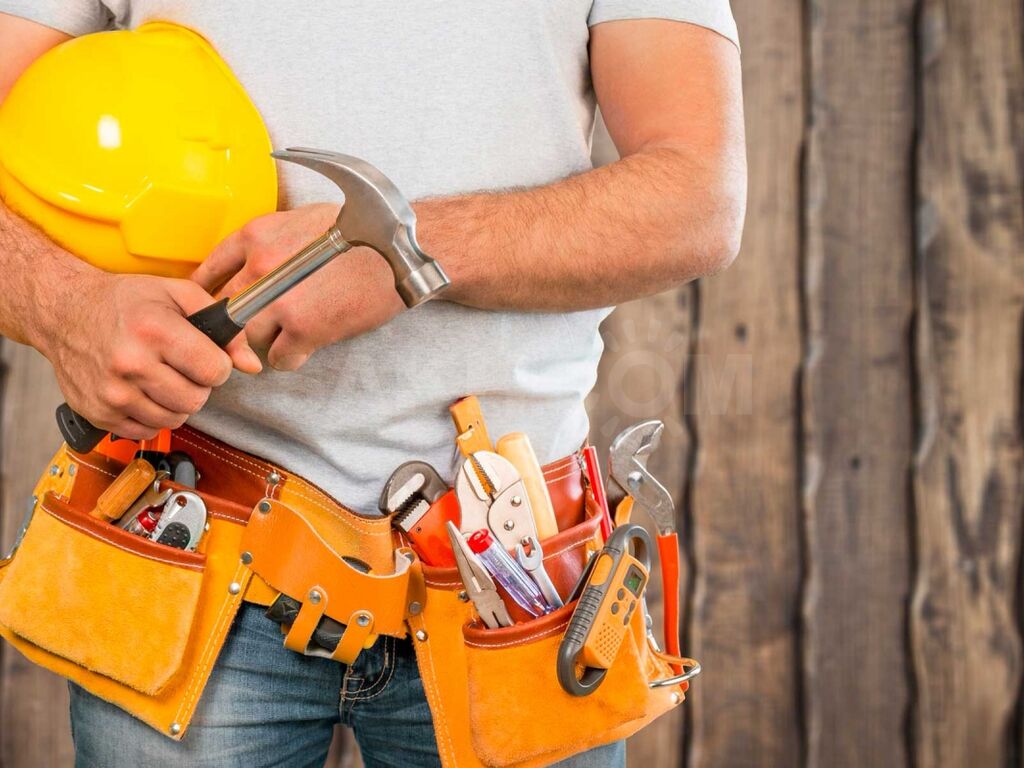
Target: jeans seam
(376, 688)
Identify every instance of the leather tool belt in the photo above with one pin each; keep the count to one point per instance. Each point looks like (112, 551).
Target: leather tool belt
(140, 624)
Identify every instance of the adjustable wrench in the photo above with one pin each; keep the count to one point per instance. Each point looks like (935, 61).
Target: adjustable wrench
(628, 468)
(492, 495)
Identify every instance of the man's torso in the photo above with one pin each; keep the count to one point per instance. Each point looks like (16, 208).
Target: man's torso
(444, 98)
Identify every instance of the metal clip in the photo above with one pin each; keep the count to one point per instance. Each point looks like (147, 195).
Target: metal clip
(21, 530)
(692, 668)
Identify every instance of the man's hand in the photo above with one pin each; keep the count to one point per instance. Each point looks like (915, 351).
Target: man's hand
(128, 360)
(350, 296)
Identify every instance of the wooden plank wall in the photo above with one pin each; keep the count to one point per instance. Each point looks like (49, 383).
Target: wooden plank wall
(843, 408)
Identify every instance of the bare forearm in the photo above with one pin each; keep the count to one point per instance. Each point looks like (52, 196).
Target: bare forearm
(38, 277)
(657, 218)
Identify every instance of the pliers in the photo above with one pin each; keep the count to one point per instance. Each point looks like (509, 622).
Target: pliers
(478, 582)
(628, 468)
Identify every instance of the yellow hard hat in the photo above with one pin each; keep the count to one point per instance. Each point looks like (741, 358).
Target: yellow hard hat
(136, 150)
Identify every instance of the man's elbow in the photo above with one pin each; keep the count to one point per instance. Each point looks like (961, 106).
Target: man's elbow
(710, 241)
(725, 230)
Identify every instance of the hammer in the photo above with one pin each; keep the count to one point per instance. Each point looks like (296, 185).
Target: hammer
(375, 214)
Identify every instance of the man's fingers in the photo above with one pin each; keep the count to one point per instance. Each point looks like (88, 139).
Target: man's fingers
(171, 390)
(190, 351)
(130, 429)
(288, 353)
(150, 414)
(240, 280)
(223, 262)
(189, 297)
(262, 330)
(243, 357)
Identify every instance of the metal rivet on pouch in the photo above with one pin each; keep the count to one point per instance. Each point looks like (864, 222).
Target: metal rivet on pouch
(175, 729)
(72, 469)
(54, 470)
(246, 558)
(314, 596)
(464, 596)
(415, 607)
(421, 635)
(676, 698)
(273, 478)
(516, 501)
(263, 506)
(509, 525)
(363, 619)
(234, 588)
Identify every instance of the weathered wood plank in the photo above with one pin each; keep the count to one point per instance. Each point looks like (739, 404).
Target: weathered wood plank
(969, 473)
(34, 727)
(745, 502)
(856, 385)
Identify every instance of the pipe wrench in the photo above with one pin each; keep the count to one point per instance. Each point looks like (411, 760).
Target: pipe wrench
(628, 468)
(419, 504)
(492, 495)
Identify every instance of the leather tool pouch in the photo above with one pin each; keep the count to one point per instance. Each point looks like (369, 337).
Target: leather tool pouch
(140, 624)
(135, 622)
(494, 693)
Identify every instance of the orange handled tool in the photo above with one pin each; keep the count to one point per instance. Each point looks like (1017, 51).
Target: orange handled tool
(629, 454)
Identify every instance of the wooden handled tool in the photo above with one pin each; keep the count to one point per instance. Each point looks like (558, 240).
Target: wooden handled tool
(134, 480)
(516, 447)
(469, 424)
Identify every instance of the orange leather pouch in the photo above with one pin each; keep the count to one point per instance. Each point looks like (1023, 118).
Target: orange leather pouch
(135, 622)
(494, 693)
(140, 624)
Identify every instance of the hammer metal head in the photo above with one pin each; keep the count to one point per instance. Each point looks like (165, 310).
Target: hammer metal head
(377, 215)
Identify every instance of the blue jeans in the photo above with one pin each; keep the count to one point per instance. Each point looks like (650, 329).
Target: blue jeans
(267, 706)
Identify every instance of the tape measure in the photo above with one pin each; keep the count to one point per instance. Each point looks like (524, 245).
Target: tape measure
(615, 582)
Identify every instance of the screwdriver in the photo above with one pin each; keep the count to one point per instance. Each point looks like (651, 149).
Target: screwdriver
(508, 573)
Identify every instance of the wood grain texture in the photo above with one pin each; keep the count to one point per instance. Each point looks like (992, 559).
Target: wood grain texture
(34, 728)
(856, 386)
(747, 559)
(968, 484)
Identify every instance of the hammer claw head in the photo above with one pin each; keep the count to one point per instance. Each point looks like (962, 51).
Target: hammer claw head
(376, 214)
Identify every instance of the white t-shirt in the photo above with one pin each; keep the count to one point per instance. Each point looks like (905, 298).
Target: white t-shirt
(444, 96)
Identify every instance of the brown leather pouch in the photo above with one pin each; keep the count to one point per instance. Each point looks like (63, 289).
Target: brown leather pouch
(494, 693)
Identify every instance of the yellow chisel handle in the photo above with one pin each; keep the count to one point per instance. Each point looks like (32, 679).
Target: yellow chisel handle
(516, 447)
(469, 423)
(134, 480)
